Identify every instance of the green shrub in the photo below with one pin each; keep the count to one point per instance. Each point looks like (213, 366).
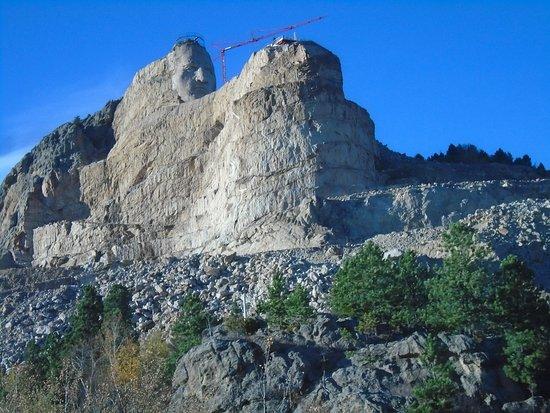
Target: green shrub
(86, 320)
(515, 301)
(433, 351)
(459, 289)
(45, 362)
(347, 334)
(188, 328)
(297, 306)
(21, 391)
(436, 393)
(53, 351)
(35, 359)
(378, 290)
(527, 356)
(116, 305)
(274, 306)
(285, 309)
(3, 390)
(237, 323)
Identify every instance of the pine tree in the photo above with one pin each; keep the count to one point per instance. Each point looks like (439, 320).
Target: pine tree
(283, 308)
(515, 301)
(297, 306)
(188, 328)
(274, 306)
(525, 160)
(86, 320)
(527, 355)
(459, 289)
(378, 290)
(116, 305)
(502, 157)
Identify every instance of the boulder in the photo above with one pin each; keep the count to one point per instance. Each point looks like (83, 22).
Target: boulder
(531, 405)
(312, 369)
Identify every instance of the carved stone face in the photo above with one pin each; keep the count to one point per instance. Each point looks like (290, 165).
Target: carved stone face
(192, 71)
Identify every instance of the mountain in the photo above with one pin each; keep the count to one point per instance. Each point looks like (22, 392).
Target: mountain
(181, 187)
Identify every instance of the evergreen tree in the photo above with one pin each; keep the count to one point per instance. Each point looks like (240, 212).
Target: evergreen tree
(502, 157)
(35, 359)
(515, 301)
(406, 294)
(378, 290)
(283, 308)
(436, 392)
(525, 160)
(527, 355)
(297, 306)
(52, 352)
(188, 328)
(452, 154)
(459, 289)
(86, 320)
(541, 170)
(274, 306)
(116, 305)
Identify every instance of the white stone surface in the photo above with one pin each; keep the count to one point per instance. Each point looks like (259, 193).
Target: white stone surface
(236, 169)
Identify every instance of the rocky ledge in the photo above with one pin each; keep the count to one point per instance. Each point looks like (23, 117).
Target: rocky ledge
(323, 367)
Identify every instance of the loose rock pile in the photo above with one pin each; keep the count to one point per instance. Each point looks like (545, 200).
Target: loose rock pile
(520, 227)
(157, 287)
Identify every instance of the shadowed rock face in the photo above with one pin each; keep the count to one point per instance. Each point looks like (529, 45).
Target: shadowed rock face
(315, 369)
(192, 70)
(44, 186)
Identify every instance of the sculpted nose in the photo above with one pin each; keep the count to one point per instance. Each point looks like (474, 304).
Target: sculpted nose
(199, 75)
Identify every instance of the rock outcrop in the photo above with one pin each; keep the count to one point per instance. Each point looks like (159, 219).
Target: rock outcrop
(44, 186)
(338, 220)
(234, 169)
(519, 228)
(318, 370)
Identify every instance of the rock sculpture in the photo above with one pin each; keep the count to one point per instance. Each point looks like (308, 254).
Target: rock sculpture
(275, 159)
(235, 169)
(192, 70)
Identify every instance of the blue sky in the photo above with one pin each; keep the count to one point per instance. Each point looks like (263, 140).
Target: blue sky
(429, 72)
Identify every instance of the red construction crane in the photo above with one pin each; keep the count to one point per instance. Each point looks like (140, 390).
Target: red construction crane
(255, 39)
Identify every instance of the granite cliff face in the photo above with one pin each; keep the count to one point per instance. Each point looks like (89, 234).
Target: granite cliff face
(234, 169)
(269, 161)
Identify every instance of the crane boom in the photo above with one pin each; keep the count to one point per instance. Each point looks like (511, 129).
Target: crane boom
(258, 38)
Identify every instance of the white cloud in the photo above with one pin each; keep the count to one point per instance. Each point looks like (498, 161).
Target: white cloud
(8, 160)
